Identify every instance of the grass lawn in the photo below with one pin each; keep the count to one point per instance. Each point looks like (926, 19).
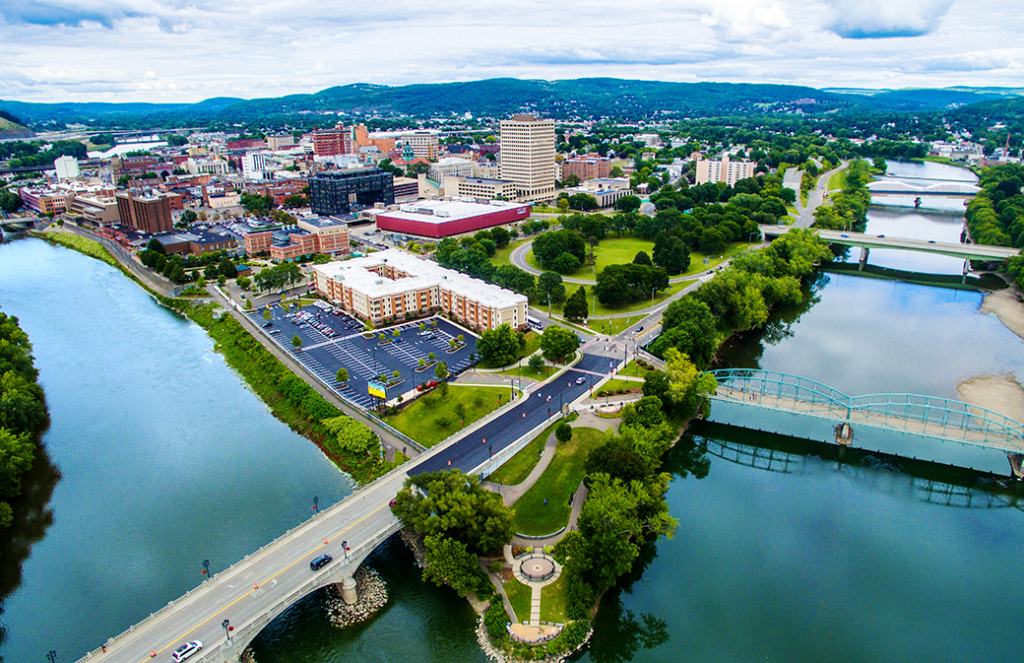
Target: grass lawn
(518, 467)
(542, 374)
(616, 325)
(423, 420)
(634, 370)
(557, 483)
(552, 601)
(659, 297)
(501, 257)
(615, 385)
(520, 596)
(836, 182)
(610, 251)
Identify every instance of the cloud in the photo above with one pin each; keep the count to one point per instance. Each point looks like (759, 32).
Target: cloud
(31, 12)
(745, 21)
(879, 19)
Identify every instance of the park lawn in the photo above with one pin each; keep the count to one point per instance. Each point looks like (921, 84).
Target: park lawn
(571, 288)
(610, 251)
(556, 485)
(532, 345)
(520, 596)
(697, 259)
(634, 370)
(541, 375)
(552, 601)
(518, 467)
(502, 256)
(420, 419)
(614, 385)
(836, 182)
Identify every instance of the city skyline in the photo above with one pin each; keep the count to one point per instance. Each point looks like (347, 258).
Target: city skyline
(167, 51)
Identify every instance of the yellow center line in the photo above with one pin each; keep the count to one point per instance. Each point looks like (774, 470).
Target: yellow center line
(249, 592)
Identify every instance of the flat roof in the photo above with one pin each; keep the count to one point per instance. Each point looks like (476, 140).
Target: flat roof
(443, 211)
(356, 274)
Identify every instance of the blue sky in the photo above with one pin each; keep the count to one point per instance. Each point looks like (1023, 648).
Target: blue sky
(189, 50)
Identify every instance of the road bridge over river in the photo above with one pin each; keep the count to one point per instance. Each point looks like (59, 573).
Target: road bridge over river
(243, 599)
(888, 187)
(972, 436)
(863, 240)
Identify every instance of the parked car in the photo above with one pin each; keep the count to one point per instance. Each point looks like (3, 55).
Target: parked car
(186, 650)
(320, 562)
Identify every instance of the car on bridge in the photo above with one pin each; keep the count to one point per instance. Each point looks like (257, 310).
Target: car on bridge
(581, 380)
(186, 650)
(320, 562)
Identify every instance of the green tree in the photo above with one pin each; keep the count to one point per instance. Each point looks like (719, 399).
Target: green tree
(441, 370)
(431, 356)
(689, 390)
(558, 343)
(499, 346)
(563, 432)
(628, 203)
(267, 315)
(296, 341)
(341, 375)
(453, 504)
(536, 363)
(449, 562)
(576, 307)
(460, 412)
(550, 287)
(351, 436)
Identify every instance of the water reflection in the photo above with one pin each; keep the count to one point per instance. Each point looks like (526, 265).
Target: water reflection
(32, 517)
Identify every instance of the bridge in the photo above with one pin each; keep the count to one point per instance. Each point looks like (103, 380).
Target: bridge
(944, 189)
(227, 611)
(982, 434)
(982, 252)
(14, 223)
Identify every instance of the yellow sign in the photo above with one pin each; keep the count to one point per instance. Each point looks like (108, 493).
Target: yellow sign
(377, 389)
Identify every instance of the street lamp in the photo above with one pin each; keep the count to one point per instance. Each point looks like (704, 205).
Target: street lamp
(227, 628)
(652, 296)
(206, 568)
(52, 655)
(316, 504)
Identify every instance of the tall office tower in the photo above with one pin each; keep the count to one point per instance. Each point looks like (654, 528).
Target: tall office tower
(528, 156)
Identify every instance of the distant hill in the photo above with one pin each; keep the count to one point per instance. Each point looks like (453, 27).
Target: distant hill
(12, 127)
(587, 97)
(924, 99)
(981, 117)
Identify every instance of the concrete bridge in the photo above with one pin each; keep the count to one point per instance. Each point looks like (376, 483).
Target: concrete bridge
(887, 187)
(970, 436)
(981, 252)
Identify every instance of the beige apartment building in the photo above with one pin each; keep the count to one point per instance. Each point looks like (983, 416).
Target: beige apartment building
(391, 283)
(528, 157)
(726, 170)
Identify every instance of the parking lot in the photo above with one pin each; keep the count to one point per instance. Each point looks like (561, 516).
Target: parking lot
(333, 340)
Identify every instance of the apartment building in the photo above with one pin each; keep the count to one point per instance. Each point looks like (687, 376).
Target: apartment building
(528, 156)
(333, 142)
(147, 210)
(391, 283)
(309, 236)
(424, 144)
(43, 200)
(586, 168)
(725, 170)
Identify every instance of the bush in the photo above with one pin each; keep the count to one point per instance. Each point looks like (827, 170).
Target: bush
(496, 566)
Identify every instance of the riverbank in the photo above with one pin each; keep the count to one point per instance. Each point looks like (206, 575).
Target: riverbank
(1006, 304)
(290, 399)
(999, 393)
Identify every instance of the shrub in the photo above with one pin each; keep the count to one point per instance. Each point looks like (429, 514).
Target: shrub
(496, 566)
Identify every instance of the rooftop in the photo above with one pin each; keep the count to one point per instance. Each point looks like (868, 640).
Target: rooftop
(357, 274)
(443, 211)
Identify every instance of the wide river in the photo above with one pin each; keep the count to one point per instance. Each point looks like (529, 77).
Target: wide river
(783, 552)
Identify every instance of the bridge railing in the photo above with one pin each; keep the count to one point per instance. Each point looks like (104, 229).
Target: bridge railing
(940, 417)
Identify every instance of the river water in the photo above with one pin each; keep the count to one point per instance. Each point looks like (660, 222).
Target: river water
(784, 551)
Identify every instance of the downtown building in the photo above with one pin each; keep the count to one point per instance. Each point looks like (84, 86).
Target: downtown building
(340, 192)
(147, 210)
(442, 218)
(396, 284)
(306, 238)
(726, 170)
(528, 157)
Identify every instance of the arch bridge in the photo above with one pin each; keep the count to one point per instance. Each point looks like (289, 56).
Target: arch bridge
(924, 416)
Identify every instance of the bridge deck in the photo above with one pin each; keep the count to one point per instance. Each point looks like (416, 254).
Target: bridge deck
(988, 439)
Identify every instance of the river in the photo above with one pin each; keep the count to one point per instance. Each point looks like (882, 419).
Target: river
(801, 557)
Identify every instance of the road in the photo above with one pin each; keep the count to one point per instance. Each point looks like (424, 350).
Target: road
(956, 250)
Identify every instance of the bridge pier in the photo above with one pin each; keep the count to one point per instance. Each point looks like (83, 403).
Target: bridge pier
(864, 253)
(967, 268)
(347, 589)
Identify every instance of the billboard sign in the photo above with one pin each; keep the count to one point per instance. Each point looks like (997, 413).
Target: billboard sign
(378, 389)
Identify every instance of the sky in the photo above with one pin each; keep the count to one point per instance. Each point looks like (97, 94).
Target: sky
(189, 50)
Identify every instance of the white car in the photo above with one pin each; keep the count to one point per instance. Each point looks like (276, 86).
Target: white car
(186, 650)
(581, 380)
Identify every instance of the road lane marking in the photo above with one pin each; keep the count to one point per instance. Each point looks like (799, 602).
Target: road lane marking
(253, 591)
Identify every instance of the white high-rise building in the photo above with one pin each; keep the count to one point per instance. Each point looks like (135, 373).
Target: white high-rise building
(253, 165)
(725, 170)
(528, 156)
(67, 168)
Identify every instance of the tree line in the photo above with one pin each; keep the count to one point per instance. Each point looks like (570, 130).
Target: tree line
(23, 414)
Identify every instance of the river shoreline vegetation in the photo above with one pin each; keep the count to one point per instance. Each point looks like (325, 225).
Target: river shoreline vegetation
(352, 448)
(849, 206)
(23, 420)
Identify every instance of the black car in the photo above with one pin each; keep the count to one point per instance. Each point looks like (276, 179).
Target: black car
(320, 562)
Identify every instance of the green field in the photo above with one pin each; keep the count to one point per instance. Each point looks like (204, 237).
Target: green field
(559, 481)
(424, 420)
(552, 601)
(525, 372)
(632, 369)
(520, 596)
(615, 385)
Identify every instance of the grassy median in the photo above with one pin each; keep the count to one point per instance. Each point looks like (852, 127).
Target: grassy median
(432, 418)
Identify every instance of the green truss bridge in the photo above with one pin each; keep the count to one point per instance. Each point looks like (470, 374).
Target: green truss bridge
(900, 424)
